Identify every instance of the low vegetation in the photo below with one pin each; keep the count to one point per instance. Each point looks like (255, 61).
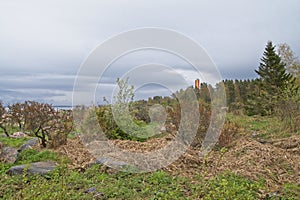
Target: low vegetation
(256, 157)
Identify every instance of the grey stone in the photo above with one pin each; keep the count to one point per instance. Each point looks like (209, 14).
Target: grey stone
(8, 154)
(3, 135)
(110, 162)
(91, 190)
(18, 135)
(99, 195)
(33, 168)
(28, 144)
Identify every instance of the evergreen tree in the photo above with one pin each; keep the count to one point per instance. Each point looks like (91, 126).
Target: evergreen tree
(254, 104)
(274, 78)
(237, 92)
(205, 93)
(229, 89)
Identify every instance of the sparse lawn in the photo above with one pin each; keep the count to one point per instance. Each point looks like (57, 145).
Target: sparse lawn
(263, 127)
(69, 184)
(32, 155)
(13, 142)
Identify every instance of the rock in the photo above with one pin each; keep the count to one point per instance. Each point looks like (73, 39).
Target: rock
(33, 168)
(8, 154)
(93, 190)
(99, 195)
(18, 135)
(163, 129)
(255, 134)
(110, 162)
(261, 140)
(3, 135)
(29, 144)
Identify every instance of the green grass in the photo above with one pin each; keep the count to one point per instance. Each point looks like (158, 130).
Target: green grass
(13, 142)
(64, 184)
(231, 186)
(71, 184)
(264, 127)
(291, 190)
(32, 155)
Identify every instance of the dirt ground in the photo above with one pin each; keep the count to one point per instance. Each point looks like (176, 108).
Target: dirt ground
(276, 161)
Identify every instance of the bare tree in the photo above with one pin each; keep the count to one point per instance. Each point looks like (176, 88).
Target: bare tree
(16, 112)
(4, 119)
(289, 59)
(38, 119)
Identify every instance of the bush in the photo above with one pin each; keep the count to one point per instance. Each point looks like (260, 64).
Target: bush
(288, 111)
(38, 120)
(108, 124)
(228, 134)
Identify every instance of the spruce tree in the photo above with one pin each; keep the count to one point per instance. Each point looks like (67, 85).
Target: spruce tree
(275, 80)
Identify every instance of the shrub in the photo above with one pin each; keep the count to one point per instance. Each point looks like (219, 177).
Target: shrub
(4, 120)
(228, 134)
(288, 110)
(39, 120)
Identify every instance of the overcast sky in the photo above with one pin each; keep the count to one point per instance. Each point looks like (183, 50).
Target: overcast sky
(44, 43)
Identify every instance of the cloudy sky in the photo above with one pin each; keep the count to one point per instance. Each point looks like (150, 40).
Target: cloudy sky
(44, 43)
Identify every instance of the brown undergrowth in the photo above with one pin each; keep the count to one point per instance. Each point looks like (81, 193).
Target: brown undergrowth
(276, 161)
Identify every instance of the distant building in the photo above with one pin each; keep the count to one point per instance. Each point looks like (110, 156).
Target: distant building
(197, 84)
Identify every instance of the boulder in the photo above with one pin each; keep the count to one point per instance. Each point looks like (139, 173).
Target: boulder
(8, 154)
(3, 135)
(33, 168)
(28, 144)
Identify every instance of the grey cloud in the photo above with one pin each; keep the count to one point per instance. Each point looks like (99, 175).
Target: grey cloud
(43, 43)
(38, 81)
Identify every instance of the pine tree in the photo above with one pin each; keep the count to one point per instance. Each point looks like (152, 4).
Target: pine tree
(275, 80)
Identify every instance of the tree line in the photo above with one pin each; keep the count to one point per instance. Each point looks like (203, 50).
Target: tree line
(276, 90)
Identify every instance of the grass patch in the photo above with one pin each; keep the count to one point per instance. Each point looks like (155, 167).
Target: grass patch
(13, 142)
(71, 184)
(291, 191)
(32, 155)
(265, 127)
(228, 186)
